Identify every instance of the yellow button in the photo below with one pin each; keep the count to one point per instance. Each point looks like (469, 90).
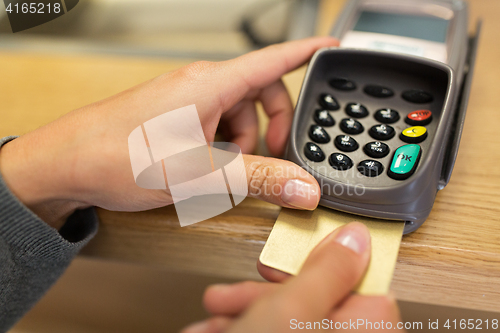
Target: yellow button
(414, 134)
(415, 131)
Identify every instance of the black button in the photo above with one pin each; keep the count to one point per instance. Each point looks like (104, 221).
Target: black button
(314, 152)
(340, 161)
(378, 91)
(387, 116)
(328, 102)
(356, 110)
(318, 134)
(417, 96)
(382, 132)
(340, 83)
(370, 168)
(346, 143)
(351, 126)
(323, 118)
(376, 149)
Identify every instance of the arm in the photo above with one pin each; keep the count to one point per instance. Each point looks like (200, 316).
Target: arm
(33, 254)
(52, 175)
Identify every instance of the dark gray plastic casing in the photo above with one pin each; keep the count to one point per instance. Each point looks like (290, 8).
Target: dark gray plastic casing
(410, 200)
(382, 197)
(460, 48)
(456, 39)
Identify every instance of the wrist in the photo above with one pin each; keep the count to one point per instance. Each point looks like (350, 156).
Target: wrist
(29, 173)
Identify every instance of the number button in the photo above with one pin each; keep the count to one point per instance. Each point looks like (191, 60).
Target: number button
(323, 118)
(387, 116)
(342, 84)
(318, 134)
(419, 117)
(356, 110)
(351, 126)
(382, 132)
(328, 102)
(378, 91)
(370, 168)
(404, 162)
(415, 134)
(346, 143)
(376, 149)
(340, 161)
(417, 96)
(313, 152)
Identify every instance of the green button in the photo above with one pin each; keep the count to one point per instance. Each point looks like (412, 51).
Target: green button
(404, 162)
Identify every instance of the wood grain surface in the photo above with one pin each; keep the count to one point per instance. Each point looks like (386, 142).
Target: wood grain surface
(453, 259)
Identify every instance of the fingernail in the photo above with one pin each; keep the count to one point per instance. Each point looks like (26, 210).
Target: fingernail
(219, 287)
(354, 236)
(392, 297)
(300, 194)
(198, 327)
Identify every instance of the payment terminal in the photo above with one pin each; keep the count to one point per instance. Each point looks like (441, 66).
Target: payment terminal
(379, 119)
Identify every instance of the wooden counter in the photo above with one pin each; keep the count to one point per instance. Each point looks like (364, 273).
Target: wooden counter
(453, 259)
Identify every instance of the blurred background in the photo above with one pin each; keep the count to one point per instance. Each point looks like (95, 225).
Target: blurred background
(207, 29)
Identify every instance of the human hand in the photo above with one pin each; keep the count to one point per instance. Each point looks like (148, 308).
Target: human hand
(82, 158)
(321, 292)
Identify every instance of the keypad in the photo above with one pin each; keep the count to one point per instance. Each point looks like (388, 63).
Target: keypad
(387, 116)
(356, 110)
(318, 134)
(351, 126)
(328, 102)
(313, 152)
(346, 143)
(340, 161)
(343, 151)
(382, 132)
(323, 118)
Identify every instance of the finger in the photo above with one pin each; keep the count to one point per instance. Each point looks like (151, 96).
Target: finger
(271, 274)
(212, 325)
(231, 300)
(364, 310)
(259, 69)
(281, 182)
(331, 271)
(241, 124)
(278, 106)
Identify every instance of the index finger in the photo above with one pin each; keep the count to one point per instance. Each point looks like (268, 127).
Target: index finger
(261, 68)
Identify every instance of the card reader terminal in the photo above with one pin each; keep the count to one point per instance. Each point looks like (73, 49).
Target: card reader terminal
(378, 120)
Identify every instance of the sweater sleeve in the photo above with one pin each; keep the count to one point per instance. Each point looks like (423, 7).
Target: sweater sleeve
(34, 255)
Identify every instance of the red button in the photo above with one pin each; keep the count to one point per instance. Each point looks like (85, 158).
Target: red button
(419, 117)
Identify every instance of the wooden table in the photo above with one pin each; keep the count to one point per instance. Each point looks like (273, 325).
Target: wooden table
(452, 260)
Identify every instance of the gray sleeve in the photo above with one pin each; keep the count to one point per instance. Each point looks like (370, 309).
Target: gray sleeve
(34, 255)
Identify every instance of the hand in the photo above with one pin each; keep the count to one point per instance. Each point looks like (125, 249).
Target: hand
(82, 158)
(320, 293)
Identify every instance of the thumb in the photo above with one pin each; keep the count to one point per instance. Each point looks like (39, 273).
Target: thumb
(281, 182)
(332, 270)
